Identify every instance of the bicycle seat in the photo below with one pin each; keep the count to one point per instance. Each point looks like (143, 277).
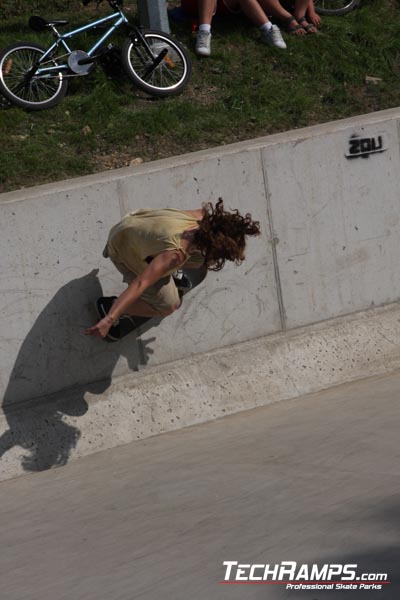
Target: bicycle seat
(39, 24)
(57, 22)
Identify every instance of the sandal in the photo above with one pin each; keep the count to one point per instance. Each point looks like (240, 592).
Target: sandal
(296, 29)
(308, 27)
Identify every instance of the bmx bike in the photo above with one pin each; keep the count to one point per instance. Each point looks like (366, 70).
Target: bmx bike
(36, 78)
(335, 7)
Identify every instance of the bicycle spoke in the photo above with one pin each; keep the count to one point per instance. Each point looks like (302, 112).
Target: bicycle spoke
(22, 84)
(333, 5)
(166, 74)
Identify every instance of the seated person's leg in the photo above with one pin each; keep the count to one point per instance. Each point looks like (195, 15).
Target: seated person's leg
(280, 10)
(254, 10)
(300, 9)
(206, 10)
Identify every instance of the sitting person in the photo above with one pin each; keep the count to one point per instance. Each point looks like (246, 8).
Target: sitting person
(256, 11)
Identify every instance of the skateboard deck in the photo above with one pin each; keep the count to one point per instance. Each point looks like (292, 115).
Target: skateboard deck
(185, 280)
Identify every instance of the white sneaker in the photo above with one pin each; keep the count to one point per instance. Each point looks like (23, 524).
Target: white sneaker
(273, 37)
(203, 43)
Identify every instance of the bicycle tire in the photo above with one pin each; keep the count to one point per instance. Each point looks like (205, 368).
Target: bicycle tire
(169, 77)
(36, 93)
(335, 7)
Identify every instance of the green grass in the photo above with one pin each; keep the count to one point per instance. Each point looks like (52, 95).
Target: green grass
(243, 91)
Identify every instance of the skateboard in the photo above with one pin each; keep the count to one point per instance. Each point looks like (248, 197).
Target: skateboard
(185, 281)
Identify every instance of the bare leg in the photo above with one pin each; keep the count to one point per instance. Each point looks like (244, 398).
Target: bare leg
(300, 9)
(206, 11)
(256, 11)
(253, 11)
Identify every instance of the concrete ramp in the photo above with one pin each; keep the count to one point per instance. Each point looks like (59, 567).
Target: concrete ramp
(327, 199)
(313, 481)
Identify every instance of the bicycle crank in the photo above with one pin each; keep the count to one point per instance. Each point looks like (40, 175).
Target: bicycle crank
(80, 62)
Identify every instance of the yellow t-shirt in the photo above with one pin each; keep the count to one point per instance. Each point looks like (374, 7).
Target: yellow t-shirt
(145, 233)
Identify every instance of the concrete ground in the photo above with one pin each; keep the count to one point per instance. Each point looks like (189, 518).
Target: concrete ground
(313, 480)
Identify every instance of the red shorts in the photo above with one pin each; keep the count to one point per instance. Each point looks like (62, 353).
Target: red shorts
(190, 7)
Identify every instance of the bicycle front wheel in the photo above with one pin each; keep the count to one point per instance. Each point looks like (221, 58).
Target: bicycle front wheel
(22, 85)
(139, 59)
(335, 7)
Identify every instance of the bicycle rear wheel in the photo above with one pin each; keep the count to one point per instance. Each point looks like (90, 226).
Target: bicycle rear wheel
(169, 76)
(335, 7)
(20, 85)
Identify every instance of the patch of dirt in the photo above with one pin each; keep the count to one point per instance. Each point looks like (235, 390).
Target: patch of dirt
(202, 94)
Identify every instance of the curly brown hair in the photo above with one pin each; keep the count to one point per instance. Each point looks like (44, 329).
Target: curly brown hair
(221, 235)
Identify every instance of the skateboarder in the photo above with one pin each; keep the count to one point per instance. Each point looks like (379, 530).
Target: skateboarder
(149, 245)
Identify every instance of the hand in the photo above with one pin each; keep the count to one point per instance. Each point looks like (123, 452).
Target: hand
(101, 328)
(314, 18)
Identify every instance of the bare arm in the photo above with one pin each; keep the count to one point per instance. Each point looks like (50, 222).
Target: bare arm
(158, 268)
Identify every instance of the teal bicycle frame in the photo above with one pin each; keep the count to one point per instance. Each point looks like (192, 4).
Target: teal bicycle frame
(156, 63)
(119, 19)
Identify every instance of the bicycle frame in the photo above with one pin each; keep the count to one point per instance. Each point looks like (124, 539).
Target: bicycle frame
(152, 60)
(119, 19)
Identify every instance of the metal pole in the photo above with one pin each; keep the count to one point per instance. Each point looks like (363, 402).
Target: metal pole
(153, 14)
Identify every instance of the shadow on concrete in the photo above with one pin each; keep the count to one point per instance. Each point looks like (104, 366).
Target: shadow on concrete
(374, 556)
(54, 356)
(371, 554)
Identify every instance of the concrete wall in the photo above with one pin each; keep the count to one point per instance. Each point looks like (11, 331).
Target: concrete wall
(337, 220)
(330, 247)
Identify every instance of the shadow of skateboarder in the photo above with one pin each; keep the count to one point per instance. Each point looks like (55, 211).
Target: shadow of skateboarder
(53, 357)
